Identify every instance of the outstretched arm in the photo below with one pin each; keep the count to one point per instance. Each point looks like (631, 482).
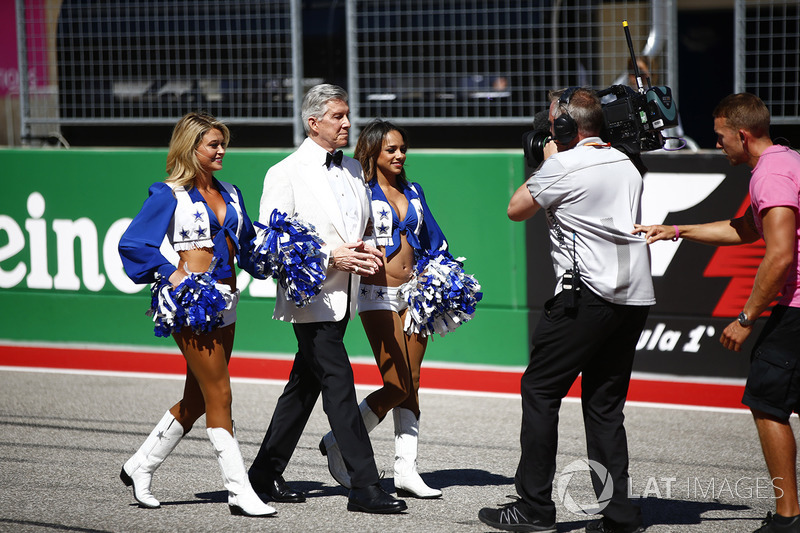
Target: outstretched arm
(741, 230)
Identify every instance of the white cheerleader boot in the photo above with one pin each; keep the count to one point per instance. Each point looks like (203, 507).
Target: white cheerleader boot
(242, 499)
(407, 481)
(330, 448)
(138, 470)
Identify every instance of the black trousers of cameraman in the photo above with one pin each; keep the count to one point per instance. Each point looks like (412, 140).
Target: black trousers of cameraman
(597, 339)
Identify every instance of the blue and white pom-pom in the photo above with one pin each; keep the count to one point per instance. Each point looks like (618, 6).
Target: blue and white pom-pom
(289, 251)
(195, 303)
(440, 296)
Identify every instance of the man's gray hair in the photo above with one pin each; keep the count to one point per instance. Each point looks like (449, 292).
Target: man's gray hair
(584, 107)
(316, 101)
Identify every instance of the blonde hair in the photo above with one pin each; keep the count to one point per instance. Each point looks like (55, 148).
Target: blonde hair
(182, 163)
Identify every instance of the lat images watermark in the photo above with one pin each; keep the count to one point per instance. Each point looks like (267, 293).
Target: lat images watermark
(689, 488)
(697, 488)
(583, 465)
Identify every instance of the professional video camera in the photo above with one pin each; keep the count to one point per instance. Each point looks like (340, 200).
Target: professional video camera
(633, 120)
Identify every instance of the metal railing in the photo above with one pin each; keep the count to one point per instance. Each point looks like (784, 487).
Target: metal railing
(768, 55)
(143, 62)
(450, 62)
(435, 62)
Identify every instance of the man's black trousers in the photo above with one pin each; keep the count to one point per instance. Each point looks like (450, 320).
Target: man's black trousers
(320, 365)
(598, 340)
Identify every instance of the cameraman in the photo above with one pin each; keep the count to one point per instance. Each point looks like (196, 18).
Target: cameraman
(591, 196)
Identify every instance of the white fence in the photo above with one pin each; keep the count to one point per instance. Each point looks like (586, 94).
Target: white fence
(97, 63)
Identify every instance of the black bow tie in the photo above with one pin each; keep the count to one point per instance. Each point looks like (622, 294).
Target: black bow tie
(335, 158)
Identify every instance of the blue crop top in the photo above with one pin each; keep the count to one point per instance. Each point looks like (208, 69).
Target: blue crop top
(419, 226)
(184, 217)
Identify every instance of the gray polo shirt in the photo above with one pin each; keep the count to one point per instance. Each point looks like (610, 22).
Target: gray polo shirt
(592, 197)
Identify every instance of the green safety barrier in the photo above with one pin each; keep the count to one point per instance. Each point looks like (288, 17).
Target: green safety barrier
(61, 280)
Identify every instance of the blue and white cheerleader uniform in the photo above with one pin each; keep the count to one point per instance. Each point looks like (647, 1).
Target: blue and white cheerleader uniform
(184, 217)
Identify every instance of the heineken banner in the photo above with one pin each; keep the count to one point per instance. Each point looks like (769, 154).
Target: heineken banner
(61, 279)
(63, 212)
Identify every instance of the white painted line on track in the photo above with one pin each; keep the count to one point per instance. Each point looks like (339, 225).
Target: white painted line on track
(423, 390)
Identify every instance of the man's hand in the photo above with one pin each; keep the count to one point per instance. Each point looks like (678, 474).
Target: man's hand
(375, 252)
(734, 335)
(655, 233)
(550, 148)
(356, 257)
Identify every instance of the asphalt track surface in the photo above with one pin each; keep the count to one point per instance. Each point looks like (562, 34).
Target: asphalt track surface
(66, 433)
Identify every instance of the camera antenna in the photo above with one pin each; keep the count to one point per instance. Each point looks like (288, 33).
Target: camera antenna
(633, 58)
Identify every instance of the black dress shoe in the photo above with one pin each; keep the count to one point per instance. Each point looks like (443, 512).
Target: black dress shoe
(277, 490)
(374, 499)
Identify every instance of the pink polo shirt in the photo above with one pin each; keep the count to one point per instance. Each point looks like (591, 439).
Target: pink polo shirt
(775, 182)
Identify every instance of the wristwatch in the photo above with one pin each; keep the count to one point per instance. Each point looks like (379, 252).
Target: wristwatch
(744, 321)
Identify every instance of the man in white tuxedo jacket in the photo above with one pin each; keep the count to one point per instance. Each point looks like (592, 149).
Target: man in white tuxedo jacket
(323, 188)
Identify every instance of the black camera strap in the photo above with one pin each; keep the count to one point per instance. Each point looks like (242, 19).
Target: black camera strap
(570, 281)
(562, 239)
(574, 256)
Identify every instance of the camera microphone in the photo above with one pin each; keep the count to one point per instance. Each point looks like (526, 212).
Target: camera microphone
(541, 120)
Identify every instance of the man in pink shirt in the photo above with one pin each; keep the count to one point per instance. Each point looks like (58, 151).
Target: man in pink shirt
(741, 122)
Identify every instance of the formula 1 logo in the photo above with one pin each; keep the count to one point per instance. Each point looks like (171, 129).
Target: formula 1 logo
(740, 263)
(672, 192)
(666, 193)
